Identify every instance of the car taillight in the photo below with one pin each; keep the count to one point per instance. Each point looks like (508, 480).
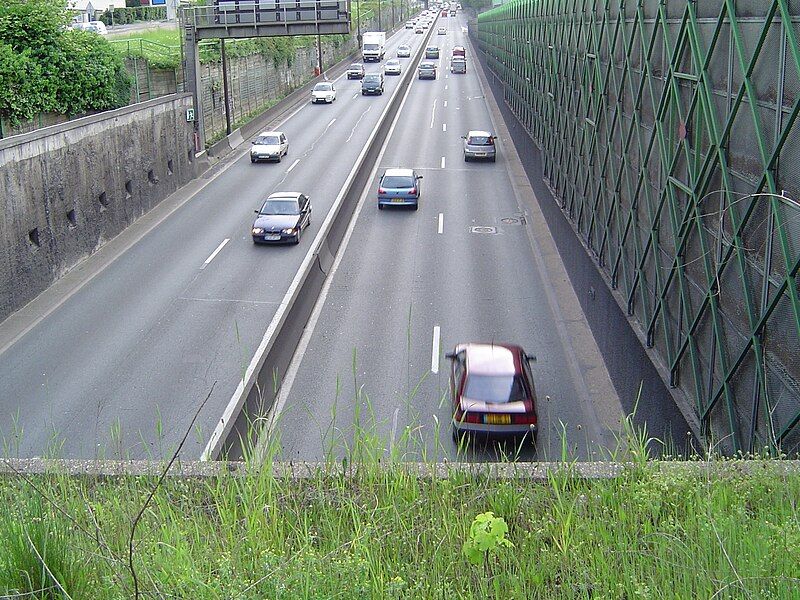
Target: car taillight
(414, 190)
(524, 419)
(469, 417)
(381, 190)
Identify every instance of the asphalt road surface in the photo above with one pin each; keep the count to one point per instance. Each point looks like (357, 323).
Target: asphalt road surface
(121, 367)
(411, 285)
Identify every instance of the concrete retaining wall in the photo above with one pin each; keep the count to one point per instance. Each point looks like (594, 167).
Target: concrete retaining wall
(67, 189)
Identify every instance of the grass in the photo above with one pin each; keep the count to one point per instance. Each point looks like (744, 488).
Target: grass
(371, 529)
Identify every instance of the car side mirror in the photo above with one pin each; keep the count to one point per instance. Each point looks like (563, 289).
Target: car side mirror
(531, 358)
(256, 211)
(450, 355)
(419, 176)
(253, 142)
(463, 137)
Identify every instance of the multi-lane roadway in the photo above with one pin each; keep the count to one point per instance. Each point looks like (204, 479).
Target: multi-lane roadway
(121, 366)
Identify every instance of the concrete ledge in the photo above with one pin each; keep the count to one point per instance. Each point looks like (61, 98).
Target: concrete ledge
(311, 470)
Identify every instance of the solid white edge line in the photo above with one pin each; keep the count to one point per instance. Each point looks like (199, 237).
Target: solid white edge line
(294, 164)
(215, 252)
(435, 350)
(308, 332)
(331, 123)
(441, 222)
(227, 414)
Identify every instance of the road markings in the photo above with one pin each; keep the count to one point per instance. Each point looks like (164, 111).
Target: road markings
(433, 112)
(435, 350)
(442, 162)
(331, 123)
(445, 103)
(294, 164)
(441, 222)
(355, 95)
(215, 252)
(444, 126)
(445, 87)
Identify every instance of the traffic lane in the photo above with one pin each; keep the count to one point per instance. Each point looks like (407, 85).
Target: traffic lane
(57, 365)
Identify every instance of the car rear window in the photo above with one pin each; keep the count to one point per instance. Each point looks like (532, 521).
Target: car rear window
(497, 389)
(267, 140)
(396, 182)
(479, 140)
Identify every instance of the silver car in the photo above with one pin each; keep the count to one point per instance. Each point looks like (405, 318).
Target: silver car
(479, 144)
(269, 145)
(403, 51)
(392, 67)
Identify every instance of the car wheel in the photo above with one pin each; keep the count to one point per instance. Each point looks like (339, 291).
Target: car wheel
(252, 160)
(298, 235)
(416, 206)
(466, 158)
(280, 158)
(494, 159)
(380, 206)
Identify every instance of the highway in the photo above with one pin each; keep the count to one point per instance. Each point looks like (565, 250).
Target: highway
(120, 368)
(411, 285)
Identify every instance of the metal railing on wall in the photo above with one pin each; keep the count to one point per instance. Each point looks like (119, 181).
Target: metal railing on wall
(669, 136)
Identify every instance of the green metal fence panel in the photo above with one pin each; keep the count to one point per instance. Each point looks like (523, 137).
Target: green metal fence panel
(669, 136)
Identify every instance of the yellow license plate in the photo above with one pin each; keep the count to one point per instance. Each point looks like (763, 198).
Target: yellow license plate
(398, 200)
(498, 419)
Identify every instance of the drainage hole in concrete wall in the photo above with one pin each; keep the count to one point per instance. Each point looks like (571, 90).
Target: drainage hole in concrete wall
(170, 170)
(103, 201)
(33, 237)
(128, 189)
(72, 219)
(151, 176)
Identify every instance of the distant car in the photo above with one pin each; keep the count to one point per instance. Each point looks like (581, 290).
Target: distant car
(493, 392)
(479, 144)
(426, 70)
(324, 91)
(419, 29)
(425, 25)
(459, 51)
(399, 187)
(392, 67)
(372, 84)
(355, 71)
(403, 51)
(94, 26)
(269, 145)
(409, 24)
(442, 31)
(282, 218)
(432, 52)
(458, 65)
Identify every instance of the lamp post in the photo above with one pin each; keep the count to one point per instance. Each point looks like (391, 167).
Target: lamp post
(380, 27)
(358, 21)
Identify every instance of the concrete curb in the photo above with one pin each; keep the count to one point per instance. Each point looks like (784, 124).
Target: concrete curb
(258, 389)
(712, 470)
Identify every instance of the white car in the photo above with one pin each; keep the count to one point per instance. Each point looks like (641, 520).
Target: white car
(403, 51)
(392, 67)
(324, 91)
(95, 26)
(409, 24)
(442, 31)
(269, 145)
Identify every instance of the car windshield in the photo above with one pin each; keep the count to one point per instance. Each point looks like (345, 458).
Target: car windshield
(397, 182)
(372, 79)
(280, 206)
(393, 63)
(370, 46)
(322, 87)
(268, 140)
(497, 389)
(404, 48)
(355, 67)
(479, 140)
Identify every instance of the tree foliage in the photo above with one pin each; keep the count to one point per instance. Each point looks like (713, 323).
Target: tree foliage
(47, 67)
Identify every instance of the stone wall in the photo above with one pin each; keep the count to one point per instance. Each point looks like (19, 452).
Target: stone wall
(67, 189)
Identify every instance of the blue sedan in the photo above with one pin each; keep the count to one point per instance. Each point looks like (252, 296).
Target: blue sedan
(399, 187)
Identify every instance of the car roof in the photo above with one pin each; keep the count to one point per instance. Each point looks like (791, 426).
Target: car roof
(286, 195)
(263, 133)
(399, 172)
(478, 133)
(492, 359)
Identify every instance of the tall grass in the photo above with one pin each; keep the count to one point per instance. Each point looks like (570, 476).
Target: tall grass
(370, 528)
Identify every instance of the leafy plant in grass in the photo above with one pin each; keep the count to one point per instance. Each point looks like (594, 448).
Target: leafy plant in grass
(487, 536)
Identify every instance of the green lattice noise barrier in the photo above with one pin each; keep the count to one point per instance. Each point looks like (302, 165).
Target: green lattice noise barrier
(669, 135)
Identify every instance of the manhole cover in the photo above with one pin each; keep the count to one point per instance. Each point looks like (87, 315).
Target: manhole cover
(483, 229)
(509, 221)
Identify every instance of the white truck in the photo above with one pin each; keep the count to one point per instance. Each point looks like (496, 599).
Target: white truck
(372, 46)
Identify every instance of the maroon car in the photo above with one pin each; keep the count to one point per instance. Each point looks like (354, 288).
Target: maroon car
(493, 391)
